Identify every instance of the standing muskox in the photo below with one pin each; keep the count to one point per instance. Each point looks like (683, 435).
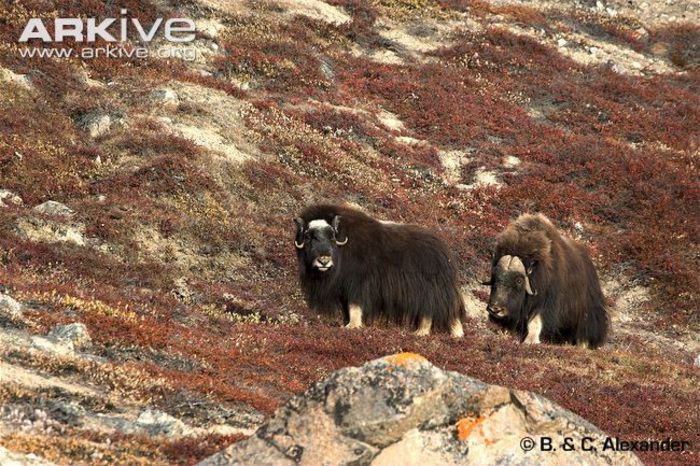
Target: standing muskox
(544, 286)
(374, 270)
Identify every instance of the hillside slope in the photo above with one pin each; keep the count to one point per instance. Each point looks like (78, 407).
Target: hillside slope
(181, 179)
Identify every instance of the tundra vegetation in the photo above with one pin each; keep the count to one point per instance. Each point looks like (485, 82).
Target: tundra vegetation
(458, 115)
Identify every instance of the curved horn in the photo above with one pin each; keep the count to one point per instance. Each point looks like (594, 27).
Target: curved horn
(336, 227)
(504, 262)
(300, 233)
(528, 289)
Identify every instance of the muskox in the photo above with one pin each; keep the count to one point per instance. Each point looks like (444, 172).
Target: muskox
(544, 286)
(373, 270)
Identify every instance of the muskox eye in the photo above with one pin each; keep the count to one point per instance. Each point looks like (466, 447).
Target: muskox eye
(519, 281)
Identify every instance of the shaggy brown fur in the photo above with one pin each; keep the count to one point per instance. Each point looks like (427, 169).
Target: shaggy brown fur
(566, 291)
(393, 272)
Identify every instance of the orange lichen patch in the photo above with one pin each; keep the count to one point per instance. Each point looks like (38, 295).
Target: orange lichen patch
(403, 359)
(466, 425)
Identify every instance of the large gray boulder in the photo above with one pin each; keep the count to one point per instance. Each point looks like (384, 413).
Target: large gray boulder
(403, 410)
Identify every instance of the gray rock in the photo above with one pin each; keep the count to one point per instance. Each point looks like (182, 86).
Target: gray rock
(8, 197)
(68, 412)
(10, 309)
(96, 123)
(511, 161)
(75, 333)
(403, 410)
(697, 361)
(52, 346)
(159, 423)
(642, 34)
(11, 458)
(9, 76)
(617, 68)
(54, 208)
(165, 97)
(49, 231)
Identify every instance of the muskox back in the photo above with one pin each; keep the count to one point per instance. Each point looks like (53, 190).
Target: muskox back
(393, 272)
(565, 291)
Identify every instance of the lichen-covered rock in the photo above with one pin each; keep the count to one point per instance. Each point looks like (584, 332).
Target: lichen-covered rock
(165, 97)
(10, 309)
(99, 123)
(76, 333)
(156, 422)
(8, 198)
(9, 76)
(49, 231)
(403, 410)
(53, 208)
(10, 458)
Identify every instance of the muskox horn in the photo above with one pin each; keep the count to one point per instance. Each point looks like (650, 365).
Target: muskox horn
(504, 262)
(515, 264)
(299, 241)
(336, 227)
(528, 289)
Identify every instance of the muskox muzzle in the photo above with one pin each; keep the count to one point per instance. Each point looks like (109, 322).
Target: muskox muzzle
(510, 282)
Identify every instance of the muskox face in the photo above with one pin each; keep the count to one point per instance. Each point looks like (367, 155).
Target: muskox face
(317, 243)
(510, 285)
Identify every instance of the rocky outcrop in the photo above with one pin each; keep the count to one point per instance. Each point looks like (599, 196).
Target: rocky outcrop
(10, 458)
(75, 334)
(98, 123)
(54, 208)
(403, 410)
(10, 310)
(8, 198)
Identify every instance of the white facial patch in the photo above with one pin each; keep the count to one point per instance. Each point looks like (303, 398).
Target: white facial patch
(318, 224)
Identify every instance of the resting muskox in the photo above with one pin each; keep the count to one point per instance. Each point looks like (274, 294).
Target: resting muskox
(544, 286)
(374, 270)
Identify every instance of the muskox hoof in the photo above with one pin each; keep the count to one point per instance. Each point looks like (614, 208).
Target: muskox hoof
(353, 325)
(424, 329)
(532, 339)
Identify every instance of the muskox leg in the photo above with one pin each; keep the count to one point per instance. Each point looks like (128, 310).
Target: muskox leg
(583, 344)
(355, 320)
(534, 329)
(456, 329)
(426, 324)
